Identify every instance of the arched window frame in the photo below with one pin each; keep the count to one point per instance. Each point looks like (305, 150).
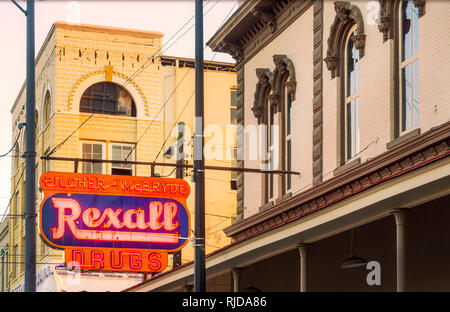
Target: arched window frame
(104, 100)
(284, 89)
(351, 97)
(261, 111)
(348, 25)
(46, 109)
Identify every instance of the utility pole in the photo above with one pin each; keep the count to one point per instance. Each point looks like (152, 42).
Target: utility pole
(179, 175)
(30, 155)
(199, 162)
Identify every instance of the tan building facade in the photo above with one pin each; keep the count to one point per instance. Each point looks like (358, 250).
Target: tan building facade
(105, 93)
(350, 96)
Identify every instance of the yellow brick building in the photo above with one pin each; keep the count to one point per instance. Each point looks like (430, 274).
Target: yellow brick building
(110, 91)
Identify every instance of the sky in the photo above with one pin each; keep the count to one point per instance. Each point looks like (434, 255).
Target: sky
(166, 17)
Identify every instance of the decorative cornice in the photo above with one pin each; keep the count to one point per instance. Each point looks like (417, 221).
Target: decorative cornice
(426, 148)
(255, 24)
(266, 16)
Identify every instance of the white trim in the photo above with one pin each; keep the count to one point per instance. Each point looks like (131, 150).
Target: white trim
(100, 77)
(132, 158)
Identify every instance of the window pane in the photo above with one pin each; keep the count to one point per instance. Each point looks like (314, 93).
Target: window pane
(351, 126)
(407, 97)
(415, 29)
(415, 99)
(407, 30)
(233, 116)
(289, 115)
(107, 98)
(233, 98)
(92, 151)
(289, 164)
(350, 68)
(356, 129)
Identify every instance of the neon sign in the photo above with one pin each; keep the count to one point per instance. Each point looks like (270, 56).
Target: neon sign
(132, 215)
(101, 259)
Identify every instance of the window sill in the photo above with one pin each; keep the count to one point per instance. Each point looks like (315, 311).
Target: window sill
(403, 138)
(352, 163)
(266, 206)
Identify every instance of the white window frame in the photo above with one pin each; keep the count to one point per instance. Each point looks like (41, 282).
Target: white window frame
(103, 153)
(132, 156)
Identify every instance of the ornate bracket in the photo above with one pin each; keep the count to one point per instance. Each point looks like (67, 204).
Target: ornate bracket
(263, 88)
(267, 17)
(234, 49)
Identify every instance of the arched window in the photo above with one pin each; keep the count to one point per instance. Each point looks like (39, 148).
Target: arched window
(409, 65)
(351, 105)
(107, 98)
(47, 108)
(346, 45)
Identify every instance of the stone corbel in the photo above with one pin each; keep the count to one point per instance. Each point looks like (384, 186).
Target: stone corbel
(360, 42)
(267, 17)
(234, 49)
(263, 87)
(420, 4)
(331, 62)
(384, 26)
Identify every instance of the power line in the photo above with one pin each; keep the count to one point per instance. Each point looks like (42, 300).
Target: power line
(15, 143)
(215, 53)
(144, 66)
(129, 79)
(14, 192)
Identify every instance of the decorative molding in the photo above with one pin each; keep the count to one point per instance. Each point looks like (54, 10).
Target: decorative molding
(267, 17)
(99, 76)
(420, 4)
(109, 69)
(317, 133)
(347, 15)
(283, 76)
(250, 31)
(234, 49)
(263, 88)
(425, 149)
(389, 12)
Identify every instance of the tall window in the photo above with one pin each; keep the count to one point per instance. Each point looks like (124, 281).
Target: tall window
(93, 151)
(233, 150)
(107, 98)
(120, 152)
(272, 151)
(351, 98)
(409, 65)
(47, 109)
(233, 106)
(288, 130)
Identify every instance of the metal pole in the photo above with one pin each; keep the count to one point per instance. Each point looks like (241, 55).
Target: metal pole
(179, 174)
(199, 163)
(30, 155)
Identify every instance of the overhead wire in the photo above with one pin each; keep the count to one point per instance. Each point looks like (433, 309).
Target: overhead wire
(134, 75)
(192, 94)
